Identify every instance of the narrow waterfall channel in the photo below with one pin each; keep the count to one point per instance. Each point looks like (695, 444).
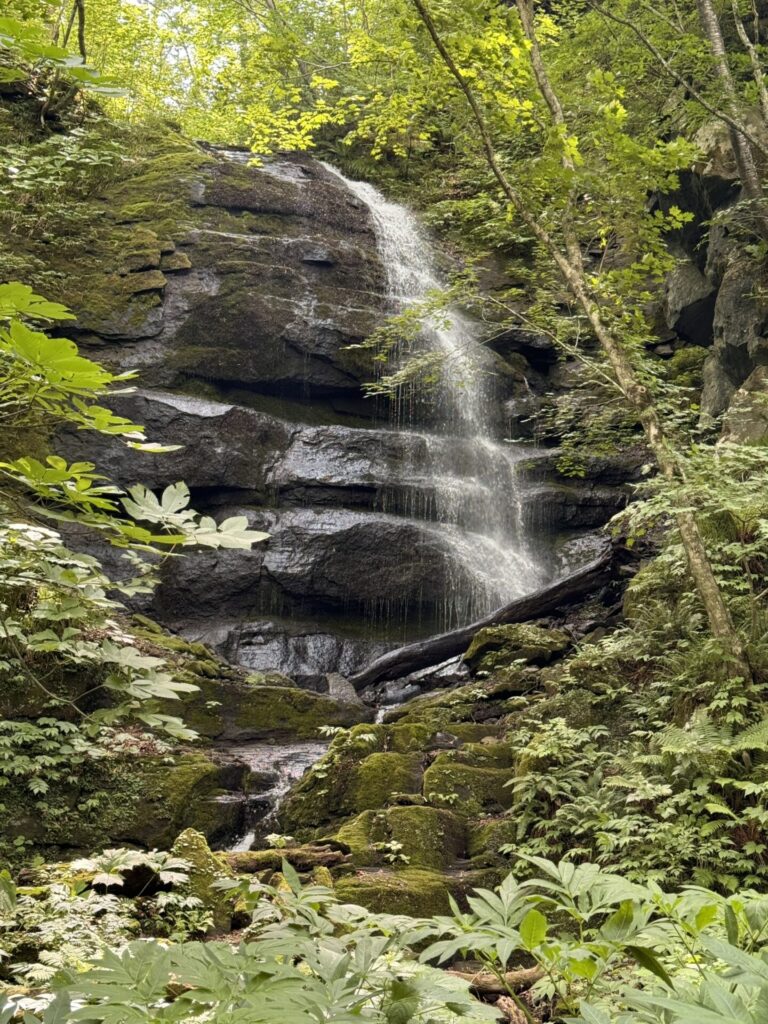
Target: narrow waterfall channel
(473, 480)
(467, 472)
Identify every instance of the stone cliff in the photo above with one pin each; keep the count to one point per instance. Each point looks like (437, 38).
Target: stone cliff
(236, 293)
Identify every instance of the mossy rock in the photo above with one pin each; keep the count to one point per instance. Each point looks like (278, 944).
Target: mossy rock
(139, 801)
(486, 836)
(497, 647)
(492, 752)
(406, 737)
(341, 785)
(361, 834)
(414, 892)
(441, 711)
(382, 775)
(243, 711)
(474, 732)
(478, 788)
(205, 870)
(430, 837)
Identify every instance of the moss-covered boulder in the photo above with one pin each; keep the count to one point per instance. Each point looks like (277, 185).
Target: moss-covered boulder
(486, 836)
(346, 782)
(476, 788)
(426, 837)
(205, 869)
(244, 711)
(497, 647)
(380, 776)
(472, 707)
(140, 801)
(413, 891)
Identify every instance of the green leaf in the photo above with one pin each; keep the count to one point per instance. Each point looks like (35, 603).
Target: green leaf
(18, 299)
(731, 925)
(650, 962)
(533, 929)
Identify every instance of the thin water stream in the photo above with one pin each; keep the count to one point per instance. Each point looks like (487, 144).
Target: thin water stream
(286, 762)
(473, 484)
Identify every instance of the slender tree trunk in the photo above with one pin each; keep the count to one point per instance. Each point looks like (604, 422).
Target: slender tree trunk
(745, 158)
(734, 123)
(571, 266)
(754, 57)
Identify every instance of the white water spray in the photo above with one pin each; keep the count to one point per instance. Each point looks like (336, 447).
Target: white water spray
(472, 484)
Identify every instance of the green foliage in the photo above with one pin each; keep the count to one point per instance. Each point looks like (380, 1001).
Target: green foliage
(27, 49)
(291, 965)
(108, 868)
(44, 187)
(68, 669)
(605, 949)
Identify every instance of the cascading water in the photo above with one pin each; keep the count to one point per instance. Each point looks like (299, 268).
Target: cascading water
(471, 481)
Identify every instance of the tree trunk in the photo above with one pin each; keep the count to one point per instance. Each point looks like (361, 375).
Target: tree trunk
(570, 265)
(754, 58)
(745, 158)
(437, 649)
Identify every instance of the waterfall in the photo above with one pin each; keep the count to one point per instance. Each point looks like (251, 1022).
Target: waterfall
(472, 479)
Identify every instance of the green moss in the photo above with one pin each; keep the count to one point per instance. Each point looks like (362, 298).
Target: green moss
(486, 836)
(341, 785)
(431, 837)
(413, 891)
(238, 709)
(266, 711)
(439, 711)
(478, 788)
(473, 732)
(686, 368)
(361, 834)
(492, 753)
(380, 776)
(139, 801)
(205, 870)
(322, 876)
(497, 647)
(406, 737)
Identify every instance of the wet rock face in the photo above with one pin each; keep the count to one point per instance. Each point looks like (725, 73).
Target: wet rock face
(238, 309)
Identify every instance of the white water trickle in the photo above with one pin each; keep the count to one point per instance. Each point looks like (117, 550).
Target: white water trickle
(473, 483)
(287, 762)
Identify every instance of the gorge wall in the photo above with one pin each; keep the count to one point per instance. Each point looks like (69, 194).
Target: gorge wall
(236, 293)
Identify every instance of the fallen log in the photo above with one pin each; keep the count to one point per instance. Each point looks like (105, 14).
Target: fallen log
(514, 981)
(437, 649)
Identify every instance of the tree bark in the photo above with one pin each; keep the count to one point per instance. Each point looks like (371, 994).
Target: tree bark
(733, 123)
(571, 266)
(754, 58)
(437, 649)
(745, 157)
(517, 981)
